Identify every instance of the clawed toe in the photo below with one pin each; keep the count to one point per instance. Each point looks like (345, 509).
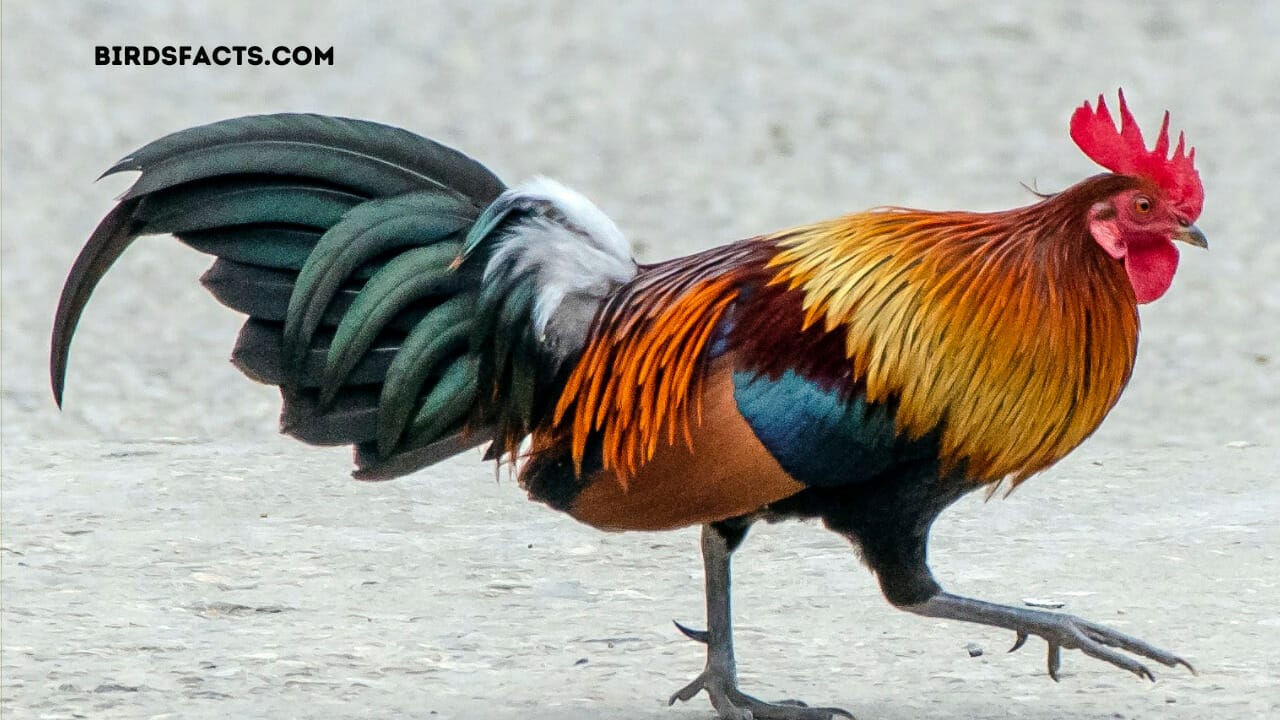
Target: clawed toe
(733, 704)
(1019, 642)
(785, 709)
(1096, 641)
(687, 693)
(1058, 630)
(698, 635)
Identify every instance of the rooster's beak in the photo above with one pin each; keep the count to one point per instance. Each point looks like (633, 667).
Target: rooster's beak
(1191, 235)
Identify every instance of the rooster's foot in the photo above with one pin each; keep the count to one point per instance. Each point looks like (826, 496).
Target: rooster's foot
(733, 704)
(1058, 629)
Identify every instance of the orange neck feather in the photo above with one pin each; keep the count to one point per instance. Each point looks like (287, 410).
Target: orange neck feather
(1012, 331)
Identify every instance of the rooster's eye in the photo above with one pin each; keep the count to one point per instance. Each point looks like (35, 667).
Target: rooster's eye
(1142, 204)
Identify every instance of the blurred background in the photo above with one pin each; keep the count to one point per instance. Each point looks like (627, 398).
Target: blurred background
(691, 124)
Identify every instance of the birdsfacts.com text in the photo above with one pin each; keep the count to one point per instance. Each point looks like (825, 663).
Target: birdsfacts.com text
(125, 55)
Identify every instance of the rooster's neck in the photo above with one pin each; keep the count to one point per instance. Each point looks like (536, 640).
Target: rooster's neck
(1012, 332)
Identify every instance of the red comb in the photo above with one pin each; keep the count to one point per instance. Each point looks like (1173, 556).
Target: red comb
(1126, 153)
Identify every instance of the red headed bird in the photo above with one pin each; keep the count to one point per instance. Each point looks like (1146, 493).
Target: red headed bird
(867, 370)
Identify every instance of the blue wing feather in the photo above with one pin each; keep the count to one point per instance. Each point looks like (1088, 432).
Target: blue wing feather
(821, 437)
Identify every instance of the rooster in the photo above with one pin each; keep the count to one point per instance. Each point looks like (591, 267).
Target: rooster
(868, 370)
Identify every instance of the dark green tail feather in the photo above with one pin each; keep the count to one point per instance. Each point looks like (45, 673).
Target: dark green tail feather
(399, 161)
(442, 334)
(258, 246)
(371, 230)
(262, 193)
(372, 466)
(257, 354)
(219, 205)
(352, 414)
(448, 403)
(109, 240)
(263, 292)
(406, 278)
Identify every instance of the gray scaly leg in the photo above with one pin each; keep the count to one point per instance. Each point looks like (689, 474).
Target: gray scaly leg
(720, 677)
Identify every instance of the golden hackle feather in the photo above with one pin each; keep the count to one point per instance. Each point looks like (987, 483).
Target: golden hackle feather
(1011, 332)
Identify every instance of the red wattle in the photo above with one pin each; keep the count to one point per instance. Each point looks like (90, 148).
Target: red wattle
(1151, 267)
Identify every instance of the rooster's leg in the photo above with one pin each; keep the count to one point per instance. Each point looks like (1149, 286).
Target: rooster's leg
(720, 677)
(1058, 629)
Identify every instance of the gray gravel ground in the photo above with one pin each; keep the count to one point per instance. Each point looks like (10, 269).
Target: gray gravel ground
(166, 555)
